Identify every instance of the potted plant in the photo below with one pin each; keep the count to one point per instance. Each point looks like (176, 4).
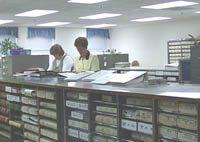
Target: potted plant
(6, 45)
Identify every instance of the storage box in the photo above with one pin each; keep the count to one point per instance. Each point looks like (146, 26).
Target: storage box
(73, 133)
(108, 120)
(187, 136)
(188, 108)
(83, 96)
(72, 95)
(131, 114)
(167, 119)
(168, 132)
(144, 115)
(168, 105)
(139, 102)
(187, 122)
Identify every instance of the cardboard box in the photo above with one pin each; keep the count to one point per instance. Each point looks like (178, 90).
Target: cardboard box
(167, 119)
(168, 105)
(187, 136)
(187, 122)
(168, 132)
(188, 108)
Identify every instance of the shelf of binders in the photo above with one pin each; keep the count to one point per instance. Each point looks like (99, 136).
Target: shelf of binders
(47, 115)
(104, 118)
(30, 113)
(77, 106)
(5, 128)
(177, 121)
(14, 104)
(136, 119)
(180, 49)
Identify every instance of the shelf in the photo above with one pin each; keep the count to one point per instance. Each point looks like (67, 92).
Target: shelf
(177, 113)
(48, 128)
(136, 120)
(105, 113)
(42, 107)
(30, 114)
(103, 102)
(181, 45)
(69, 117)
(31, 131)
(106, 125)
(104, 135)
(47, 137)
(137, 107)
(77, 100)
(78, 109)
(172, 140)
(79, 129)
(178, 128)
(42, 116)
(180, 48)
(124, 140)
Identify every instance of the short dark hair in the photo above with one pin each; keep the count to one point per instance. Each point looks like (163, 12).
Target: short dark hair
(81, 42)
(57, 49)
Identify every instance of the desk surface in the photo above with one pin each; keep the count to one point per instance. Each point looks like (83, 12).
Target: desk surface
(180, 91)
(141, 69)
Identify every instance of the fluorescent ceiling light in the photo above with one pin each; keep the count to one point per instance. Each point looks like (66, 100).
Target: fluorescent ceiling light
(100, 16)
(5, 21)
(53, 24)
(101, 26)
(197, 12)
(36, 13)
(170, 5)
(86, 1)
(151, 19)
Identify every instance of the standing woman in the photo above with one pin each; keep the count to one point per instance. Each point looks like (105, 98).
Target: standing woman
(62, 61)
(86, 61)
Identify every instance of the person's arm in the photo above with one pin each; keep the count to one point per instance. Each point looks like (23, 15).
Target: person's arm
(50, 68)
(68, 63)
(95, 64)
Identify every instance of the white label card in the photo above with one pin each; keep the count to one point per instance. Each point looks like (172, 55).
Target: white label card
(130, 125)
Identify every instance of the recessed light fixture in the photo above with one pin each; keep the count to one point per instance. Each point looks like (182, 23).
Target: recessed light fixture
(101, 26)
(51, 24)
(36, 13)
(86, 1)
(151, 19)
(170, 5)
(100, 16)
(5, 21)
(197, 12)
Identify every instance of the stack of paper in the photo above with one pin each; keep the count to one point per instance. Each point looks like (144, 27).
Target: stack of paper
(78, 76)
(119, 78)
(97, 75)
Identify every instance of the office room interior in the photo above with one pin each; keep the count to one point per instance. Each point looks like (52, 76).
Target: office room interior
(143, 41)
(139, 82)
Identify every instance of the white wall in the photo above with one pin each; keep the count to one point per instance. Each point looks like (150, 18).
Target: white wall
(64, 36)
(148, 43)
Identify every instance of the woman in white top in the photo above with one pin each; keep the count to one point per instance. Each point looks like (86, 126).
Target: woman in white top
(62, 61)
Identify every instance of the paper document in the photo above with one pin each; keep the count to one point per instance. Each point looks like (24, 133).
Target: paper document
(97, 75)
(103, 79)
(124, 78)
(118, 78)
(79, 75)
(67, 74)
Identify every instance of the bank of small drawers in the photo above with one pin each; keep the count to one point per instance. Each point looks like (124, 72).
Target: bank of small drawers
(178, 120)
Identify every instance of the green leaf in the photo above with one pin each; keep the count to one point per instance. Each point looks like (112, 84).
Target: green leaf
(6, 45)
